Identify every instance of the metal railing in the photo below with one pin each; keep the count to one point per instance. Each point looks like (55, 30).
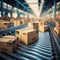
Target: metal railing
(55, 45)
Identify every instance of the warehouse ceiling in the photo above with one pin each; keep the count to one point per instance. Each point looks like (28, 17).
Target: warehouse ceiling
(36, 7)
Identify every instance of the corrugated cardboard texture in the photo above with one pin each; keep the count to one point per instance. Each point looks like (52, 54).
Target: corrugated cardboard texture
(8, 43)
(28, 35)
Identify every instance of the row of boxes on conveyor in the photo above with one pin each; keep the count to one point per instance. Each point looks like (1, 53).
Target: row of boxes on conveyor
(25, 35)
(57, 28)
(39, 25)
(30, 34)
(10, 43)
(22, 21)
(19, 22)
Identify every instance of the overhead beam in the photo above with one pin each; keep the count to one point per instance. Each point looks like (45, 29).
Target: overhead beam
(54, 9)
(23, 5)
(41, 6)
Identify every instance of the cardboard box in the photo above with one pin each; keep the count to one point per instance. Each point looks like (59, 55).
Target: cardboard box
(18, 22)
(42, 23)
(33, 25)
(44, 28)
(6, 23)
(57, 23)
(28, 35)
(57, 30)
(17, 33)
(11, 19)
(24, 21)
(8, 44)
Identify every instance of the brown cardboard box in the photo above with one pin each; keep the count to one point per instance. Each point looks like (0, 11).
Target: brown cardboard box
(57, 23)
(11, 19)
(28, 35)
(8, 44)
(24, 21)
(44, 28)
(5, 25)
(18, 22)
(42, 23)
(33, 25)
(57, 30)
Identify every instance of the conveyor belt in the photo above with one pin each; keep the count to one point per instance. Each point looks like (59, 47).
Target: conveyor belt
(10, 30)
(55, 41)
(39, 50)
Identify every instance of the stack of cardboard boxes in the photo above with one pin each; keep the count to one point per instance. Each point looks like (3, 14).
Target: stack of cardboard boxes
(8, 43)
(57, 28)
(25, 35)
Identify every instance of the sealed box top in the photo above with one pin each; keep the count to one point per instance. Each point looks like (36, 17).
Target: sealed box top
(27, 30)
(10, 37)
(7, 40)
